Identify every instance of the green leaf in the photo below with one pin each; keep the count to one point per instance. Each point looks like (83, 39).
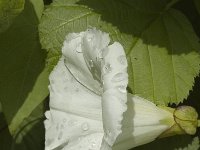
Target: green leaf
(9, 9)
(189, 10)
(0, 107)
(193, 146)
(161, 46)
(197, 4)
(5, 139)
(169, 143)
(38, 7)
(30, 134)
(23, 79)
(38, 94)
(3, 123)
(166, 58)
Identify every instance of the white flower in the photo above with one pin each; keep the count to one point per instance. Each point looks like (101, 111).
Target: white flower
(90, 108)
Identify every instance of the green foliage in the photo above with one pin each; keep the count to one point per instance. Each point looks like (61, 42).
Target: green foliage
(170, 143)
(38, 6)
(9, 9)
(197, 4)
(161, 46)
(160, 43)
(35, 96)
(23, 80)
(29, 135)
(193, 146)
(0, 108)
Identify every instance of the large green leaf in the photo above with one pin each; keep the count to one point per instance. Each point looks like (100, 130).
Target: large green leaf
(23, 79)
(35, 96)
(161, 46)
(9, 9)
(188, 8)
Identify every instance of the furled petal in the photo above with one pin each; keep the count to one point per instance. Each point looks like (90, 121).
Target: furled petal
(75, 62)
(100, 65)
(94, 42)
(114, 98)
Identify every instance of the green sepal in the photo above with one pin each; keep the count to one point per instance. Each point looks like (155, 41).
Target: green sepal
(185, 121)
(187, 118)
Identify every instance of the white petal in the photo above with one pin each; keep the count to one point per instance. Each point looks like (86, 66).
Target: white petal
(106, 64)
(75, 111)
(93, 43)
(141, 123)
(83, 115)
(89, 142)
(114, 98)
(68, 95)
(75, 62)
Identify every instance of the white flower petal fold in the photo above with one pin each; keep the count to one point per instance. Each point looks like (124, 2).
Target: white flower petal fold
(89, 105)
(101, 66)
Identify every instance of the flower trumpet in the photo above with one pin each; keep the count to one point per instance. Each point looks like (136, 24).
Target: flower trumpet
(90, 108)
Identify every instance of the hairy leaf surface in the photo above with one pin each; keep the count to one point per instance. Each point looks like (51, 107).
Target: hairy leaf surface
(161, 46)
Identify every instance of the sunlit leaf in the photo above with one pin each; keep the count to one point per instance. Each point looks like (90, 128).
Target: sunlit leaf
(38, 6)
(161, 46)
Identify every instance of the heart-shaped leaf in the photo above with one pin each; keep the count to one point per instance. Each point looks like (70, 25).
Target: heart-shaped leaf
(161, 47)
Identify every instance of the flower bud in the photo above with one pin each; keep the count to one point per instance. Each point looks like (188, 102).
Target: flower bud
(185, 121)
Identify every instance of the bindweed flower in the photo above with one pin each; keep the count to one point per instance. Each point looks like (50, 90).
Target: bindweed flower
(90, 108)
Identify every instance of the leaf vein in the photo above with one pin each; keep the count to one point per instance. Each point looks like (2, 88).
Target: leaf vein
(151, 69)
(172, 60)
(70, 20)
